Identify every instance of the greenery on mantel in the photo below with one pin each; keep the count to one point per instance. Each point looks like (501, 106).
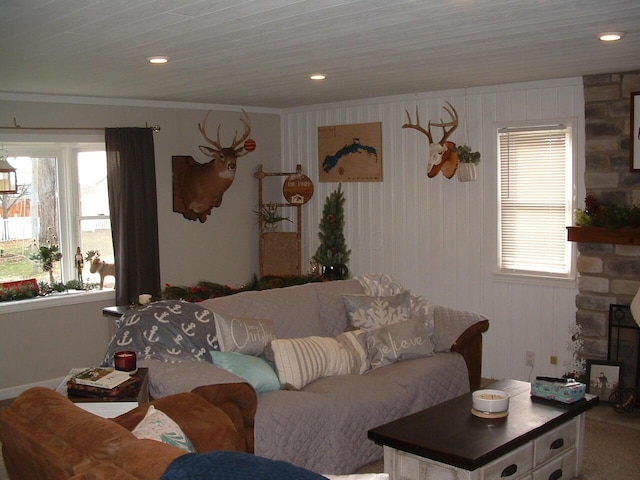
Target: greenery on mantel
(596, 214)
(204, 290)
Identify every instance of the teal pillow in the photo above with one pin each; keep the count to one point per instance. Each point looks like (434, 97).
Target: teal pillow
(255, 370)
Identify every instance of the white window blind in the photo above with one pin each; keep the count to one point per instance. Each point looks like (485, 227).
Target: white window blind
(535, 200)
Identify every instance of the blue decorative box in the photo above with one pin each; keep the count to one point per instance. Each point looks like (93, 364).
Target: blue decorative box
(565, 392)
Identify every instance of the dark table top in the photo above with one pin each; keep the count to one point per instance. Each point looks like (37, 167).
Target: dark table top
(451, 434)
(115, 311)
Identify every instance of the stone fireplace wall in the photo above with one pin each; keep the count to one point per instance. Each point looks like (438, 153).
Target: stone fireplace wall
(607, 273)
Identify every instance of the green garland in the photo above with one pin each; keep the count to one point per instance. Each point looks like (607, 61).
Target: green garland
(25, 292)
(204, 290)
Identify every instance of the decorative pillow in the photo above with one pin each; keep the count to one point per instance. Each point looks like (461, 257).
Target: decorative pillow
(369, 312)
(300, 361)
(400, 341)
(255, 370)
(156, 425)
(244, 335)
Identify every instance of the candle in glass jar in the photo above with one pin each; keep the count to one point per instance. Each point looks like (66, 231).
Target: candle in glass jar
(125, 361)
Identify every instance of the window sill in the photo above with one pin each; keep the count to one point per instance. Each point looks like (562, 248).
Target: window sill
(57, 300)
(530, 279)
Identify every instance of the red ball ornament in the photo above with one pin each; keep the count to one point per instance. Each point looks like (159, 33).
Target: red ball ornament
(249, 145)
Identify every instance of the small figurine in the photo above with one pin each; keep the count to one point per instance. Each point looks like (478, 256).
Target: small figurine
(79, 264)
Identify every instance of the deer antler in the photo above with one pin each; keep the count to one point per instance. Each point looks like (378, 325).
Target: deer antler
(417, 125)
(202, 128)
(453, 123)
(244, 118)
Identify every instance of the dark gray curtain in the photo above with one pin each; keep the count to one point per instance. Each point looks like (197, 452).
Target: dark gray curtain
(131, 175)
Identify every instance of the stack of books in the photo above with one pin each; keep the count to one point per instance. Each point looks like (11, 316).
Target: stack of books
(102, 383)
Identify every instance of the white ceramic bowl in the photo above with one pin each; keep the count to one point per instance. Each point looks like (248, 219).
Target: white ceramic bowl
(490, 401)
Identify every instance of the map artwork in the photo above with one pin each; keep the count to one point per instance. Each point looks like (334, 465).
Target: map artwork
(350, 153)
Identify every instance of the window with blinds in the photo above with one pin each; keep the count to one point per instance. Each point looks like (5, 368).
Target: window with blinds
(535, 200)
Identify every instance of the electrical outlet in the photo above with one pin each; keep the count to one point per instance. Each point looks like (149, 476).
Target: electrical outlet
(553, 360)
(530, 359)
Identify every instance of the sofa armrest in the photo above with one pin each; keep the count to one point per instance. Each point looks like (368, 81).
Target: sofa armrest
(469, 345)
(461, 332)
(239, 401)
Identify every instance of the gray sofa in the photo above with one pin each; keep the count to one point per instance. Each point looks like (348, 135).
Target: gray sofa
(323, 425)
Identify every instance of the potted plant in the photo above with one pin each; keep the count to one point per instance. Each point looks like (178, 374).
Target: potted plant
(468, 161)
(269, 216)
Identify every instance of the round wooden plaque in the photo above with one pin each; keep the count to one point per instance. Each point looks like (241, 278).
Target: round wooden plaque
(297, 189)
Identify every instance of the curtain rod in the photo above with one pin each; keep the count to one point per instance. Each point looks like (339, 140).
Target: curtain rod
(15, 126)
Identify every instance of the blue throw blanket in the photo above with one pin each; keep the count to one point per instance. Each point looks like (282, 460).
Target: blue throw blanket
(234, 466)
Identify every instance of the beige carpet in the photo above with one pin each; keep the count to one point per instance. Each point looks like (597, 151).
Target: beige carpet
(612, 447)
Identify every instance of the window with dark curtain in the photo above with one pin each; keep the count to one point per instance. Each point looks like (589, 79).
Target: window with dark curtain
(131, 176)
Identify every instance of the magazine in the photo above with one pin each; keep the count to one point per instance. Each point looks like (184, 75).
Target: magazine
(101, 377)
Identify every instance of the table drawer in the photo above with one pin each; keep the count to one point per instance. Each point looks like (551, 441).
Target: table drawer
(561, 468)
(555, 442)
(511, 466)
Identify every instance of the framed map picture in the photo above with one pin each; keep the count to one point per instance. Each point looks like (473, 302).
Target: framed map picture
(350, 153)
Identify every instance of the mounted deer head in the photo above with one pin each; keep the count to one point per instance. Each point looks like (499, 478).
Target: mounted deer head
(440, 157)
(197, 187)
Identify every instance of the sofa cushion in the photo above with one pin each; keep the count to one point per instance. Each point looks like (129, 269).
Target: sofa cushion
(293, 310)
(300, 361)
(368, 312)
(244, 335)
(157, 425)
(255, 370)
(396, 342)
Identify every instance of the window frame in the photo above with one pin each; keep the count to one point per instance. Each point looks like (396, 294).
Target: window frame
(530, 276)
(65, 148)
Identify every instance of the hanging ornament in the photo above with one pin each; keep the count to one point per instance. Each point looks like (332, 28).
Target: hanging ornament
(249, 145)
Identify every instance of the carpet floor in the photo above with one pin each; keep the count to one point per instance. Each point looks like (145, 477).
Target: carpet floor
(612, 443)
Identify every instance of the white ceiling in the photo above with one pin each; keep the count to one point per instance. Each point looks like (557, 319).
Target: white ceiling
(259, 52)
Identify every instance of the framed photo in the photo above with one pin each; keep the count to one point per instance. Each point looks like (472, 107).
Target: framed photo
(635, 131)
(603, 378)
(350, 153)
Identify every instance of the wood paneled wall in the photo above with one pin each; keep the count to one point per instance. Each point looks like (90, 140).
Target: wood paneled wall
(439, 236)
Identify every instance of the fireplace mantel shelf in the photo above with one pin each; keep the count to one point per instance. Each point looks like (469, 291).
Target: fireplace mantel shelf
(622, 236)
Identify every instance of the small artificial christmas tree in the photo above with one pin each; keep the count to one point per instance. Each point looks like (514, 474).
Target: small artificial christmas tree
(332, 252)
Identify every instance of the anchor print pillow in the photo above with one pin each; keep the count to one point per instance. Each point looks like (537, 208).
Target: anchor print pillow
(170, 331)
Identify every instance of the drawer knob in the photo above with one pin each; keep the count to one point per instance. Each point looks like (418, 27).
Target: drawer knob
(510, 470)
(556, 475)
(556, 444)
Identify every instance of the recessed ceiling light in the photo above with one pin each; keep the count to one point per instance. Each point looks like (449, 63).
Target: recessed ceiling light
(317, 76)
(158, 60)
(610, 36)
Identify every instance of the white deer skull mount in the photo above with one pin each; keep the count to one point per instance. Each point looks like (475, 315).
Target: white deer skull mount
(440, 155)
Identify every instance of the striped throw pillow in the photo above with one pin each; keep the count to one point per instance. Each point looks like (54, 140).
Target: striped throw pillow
(300, 361)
